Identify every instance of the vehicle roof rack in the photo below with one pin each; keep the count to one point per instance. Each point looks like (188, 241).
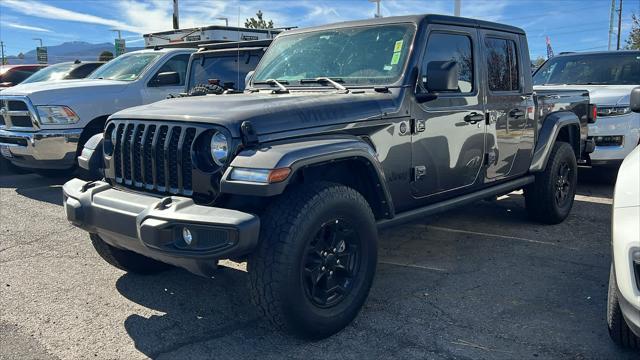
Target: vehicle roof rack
(235, 44)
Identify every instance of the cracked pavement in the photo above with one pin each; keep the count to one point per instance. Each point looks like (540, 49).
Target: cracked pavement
(481, 282)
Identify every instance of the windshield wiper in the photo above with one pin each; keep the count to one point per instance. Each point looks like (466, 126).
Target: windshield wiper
(334, 82)
(275, 82)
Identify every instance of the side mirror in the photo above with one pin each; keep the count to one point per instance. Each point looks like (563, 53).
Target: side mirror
(166, 78)
(248, 77)
(634, 100)
(442, 76)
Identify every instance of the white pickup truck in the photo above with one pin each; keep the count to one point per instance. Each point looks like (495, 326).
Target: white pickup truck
(609, 77)
(44, 125)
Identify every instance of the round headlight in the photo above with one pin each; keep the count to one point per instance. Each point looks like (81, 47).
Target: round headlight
(219, 148)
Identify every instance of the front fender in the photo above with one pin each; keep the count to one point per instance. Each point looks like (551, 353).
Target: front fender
(297, 154)
(548, 134)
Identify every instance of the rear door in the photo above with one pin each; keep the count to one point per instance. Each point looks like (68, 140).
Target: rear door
(508, 105)
(448, 132)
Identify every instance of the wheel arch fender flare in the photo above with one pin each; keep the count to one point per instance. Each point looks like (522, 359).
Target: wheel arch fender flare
(299, 154)
(563, 125)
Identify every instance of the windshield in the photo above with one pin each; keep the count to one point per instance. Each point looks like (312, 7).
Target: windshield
(371, 55)
(594, 69)
(53, 72)
(230, 69)
(126, 67)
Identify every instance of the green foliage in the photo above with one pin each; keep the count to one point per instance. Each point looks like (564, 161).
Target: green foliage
(259, 23)
(633, 41)
(105, 56)
(538, 61)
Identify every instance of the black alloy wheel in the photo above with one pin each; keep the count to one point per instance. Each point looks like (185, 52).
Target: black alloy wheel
(332, 262)
(563, 184)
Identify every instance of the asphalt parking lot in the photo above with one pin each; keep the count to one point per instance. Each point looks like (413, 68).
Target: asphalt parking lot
(482, 282)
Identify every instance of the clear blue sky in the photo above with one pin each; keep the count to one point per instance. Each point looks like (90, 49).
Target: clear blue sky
(573, 25)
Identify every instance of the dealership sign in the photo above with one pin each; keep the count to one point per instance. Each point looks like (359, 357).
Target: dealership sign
(120, 47)
(41, 54)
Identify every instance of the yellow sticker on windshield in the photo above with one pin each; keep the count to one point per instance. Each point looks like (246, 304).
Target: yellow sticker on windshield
(398, 46)
(395, 59)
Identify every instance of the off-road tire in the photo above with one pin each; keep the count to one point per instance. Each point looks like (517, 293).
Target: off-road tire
(619, 331)
(127, 260)
(540, 197)
(205, 89)
(287, 227)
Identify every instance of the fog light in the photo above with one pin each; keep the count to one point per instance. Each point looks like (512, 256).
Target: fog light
(186, 235)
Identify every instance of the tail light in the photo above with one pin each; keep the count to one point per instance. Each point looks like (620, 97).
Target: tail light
(593, 114)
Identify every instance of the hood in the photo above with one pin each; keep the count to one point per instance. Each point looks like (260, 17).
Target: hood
(268, 113)
(601, 95)
(53, 92)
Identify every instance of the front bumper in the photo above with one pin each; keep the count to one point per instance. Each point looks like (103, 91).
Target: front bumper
(153, 226)
(627, 126)
(44, 149)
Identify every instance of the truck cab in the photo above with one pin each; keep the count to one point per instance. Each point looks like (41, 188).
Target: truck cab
(44, 124)
(343, 129)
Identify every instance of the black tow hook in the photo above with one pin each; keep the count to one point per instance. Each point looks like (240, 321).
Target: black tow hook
(164, 203)
(87, 186)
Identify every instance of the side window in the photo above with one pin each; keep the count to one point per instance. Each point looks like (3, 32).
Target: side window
(177, 64)
(82, 71)
(450, 47)
(502, 64)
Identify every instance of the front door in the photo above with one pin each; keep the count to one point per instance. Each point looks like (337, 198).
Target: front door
(448, 132)
(154, 92)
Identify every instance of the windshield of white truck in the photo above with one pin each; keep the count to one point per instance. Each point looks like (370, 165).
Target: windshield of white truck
(591, 69)
(126, 67)
(368, 55)
(228, 71)
(52, 72)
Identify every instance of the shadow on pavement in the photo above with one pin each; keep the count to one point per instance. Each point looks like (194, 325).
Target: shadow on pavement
(34, 186)
(196, 309)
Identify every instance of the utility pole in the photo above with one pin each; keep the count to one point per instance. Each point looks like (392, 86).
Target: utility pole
(226, 20)
(619, 24)
(377, 15)
(176, 25)
(2, 51)
(456, 7)
(611, 20)
(118, 31)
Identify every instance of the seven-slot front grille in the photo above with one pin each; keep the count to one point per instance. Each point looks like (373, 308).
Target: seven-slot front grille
(153, 156)
(15, 113)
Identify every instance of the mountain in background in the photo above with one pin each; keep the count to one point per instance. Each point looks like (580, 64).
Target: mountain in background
(68, 51)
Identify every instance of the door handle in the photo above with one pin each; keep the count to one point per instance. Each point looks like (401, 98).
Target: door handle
(516, 113)
(474, 118)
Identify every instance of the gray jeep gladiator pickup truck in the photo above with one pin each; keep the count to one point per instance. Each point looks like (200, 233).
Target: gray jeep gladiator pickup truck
(342, 130)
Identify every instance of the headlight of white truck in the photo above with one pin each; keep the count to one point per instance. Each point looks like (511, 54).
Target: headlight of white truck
(57, 115)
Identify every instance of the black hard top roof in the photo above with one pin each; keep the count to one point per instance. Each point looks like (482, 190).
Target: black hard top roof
(416, 19)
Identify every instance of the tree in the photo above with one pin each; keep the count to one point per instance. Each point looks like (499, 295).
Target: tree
(260, 23)
(538, 61)
(633, 41)
(105, 56)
